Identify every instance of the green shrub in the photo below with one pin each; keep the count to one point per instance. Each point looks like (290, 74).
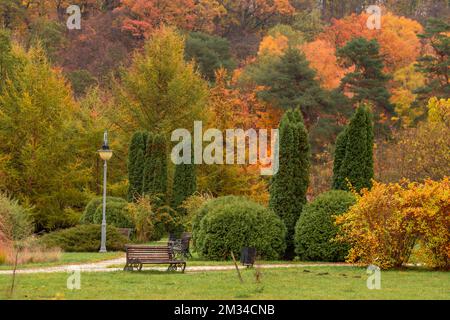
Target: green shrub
(204, 210)
(230, 223)
(15, 220)
(117, 215)
(315, 229)
(84, 238)
(91, 208)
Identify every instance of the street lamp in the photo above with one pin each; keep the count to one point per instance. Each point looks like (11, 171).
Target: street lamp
(105, 154)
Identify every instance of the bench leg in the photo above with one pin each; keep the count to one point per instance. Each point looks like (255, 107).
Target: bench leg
(184, 267)
(140, 267)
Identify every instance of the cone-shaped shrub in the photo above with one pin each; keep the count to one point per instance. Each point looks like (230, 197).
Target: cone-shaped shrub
(136, 165)
(356, 166)
(184, 185)
(288, 187)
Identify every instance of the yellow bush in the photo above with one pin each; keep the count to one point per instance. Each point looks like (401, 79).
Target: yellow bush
(385, 223)
(428, 206)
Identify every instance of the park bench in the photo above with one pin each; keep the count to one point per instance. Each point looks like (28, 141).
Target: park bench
(181, 246)
(138, 255)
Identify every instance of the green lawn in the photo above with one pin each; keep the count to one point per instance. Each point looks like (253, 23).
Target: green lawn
(301, 283)
(70, 258)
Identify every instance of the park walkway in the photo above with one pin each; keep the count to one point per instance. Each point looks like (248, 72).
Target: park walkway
(111, 266)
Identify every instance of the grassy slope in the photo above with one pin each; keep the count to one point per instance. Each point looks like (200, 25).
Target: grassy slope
(338, 283)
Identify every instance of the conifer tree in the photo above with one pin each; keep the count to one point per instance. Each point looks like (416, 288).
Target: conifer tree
(368, 82)
(356, 166)
(288, 187)
(184, 185)
(155, 167)
(136, 166)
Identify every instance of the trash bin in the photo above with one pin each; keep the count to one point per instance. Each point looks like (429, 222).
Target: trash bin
(248, 256)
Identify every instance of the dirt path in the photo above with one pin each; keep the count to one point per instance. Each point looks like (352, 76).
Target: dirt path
(108, 266)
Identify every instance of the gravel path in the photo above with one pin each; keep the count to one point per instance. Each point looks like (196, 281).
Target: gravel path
(105, 266)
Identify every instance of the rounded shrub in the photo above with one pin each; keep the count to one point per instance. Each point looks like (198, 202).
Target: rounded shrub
(91, 207)
(315, 229)
(205, 209)
(117, 215)
(84, 238)
(231, 223)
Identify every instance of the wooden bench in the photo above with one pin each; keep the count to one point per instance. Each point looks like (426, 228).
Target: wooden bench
(138, 255)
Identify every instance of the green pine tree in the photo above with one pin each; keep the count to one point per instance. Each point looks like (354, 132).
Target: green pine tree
(135, 166)
(368, 82)
(435, 67)
(184, 185)
(288, 187)
(290, 82)
(356, 166)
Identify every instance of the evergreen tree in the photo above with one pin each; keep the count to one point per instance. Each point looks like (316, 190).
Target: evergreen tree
(339, 155)
(290, 82)
(435, 67)
(356, 165)
(288, 187)
(184, 185)
(209, 52)
(155, 167)
(135, 165)
(368, 82)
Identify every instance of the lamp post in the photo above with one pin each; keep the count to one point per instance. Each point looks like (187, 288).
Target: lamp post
(105, 154)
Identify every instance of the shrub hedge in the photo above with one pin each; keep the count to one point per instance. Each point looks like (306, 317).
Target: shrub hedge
(116, 212)
(231, 223)
(315, 229)
(84, 238)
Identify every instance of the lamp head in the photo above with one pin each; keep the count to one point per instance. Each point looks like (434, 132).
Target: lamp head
(105, 153)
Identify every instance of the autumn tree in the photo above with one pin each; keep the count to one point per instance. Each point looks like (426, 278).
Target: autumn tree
(367, 82)
(405, 83)
(419, 152)
(147, 16)
(160, 91)
(289, 185)
(40, 138)
(250, 16)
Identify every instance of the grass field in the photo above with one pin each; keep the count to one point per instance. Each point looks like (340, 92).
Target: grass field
(70, 258)
(298, 283)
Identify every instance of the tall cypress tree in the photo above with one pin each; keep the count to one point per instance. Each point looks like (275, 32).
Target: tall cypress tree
(184, 185)
(356, 166)
(339, 155)
(288, 187)
(135, 165)
(155, 167)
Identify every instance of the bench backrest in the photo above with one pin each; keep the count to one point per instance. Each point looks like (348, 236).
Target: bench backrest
(149, 252)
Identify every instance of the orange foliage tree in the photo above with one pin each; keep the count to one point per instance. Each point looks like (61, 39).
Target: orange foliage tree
(147, 15)
(398, 38)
